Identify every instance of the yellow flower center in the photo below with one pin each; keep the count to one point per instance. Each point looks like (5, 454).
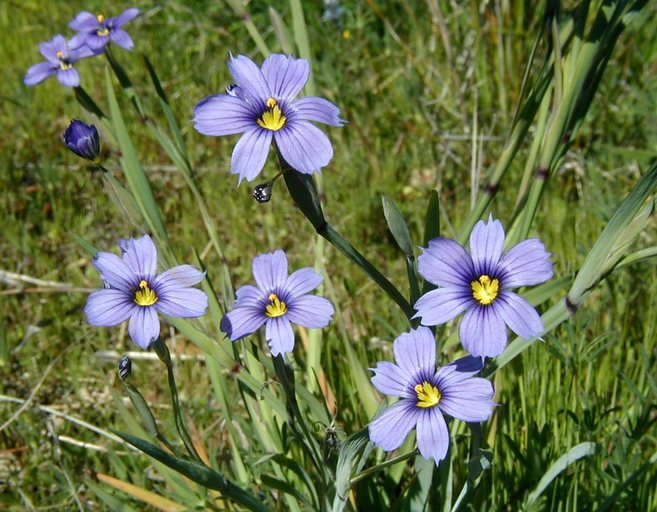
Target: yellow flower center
(100, 18)
(428, 395)
(275, 307)
(145, 296)
(64, 64)
(273, 118)
(485, 290)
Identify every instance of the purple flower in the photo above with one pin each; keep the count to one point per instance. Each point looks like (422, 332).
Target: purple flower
(133, 290)
(60, 59)
(82, 139)
(97, 31)
(262, 106)
(480, 284)
(276, 302)
(426, 394)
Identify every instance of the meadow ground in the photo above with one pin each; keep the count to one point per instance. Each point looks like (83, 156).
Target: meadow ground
(430, 91)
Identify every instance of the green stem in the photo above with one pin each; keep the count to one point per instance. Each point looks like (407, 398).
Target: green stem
(304, 192)
(162, 352)
(379, 467)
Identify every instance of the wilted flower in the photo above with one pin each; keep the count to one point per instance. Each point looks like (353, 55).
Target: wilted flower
(82, 139)
(262, 106)
(276, 302)
(480, 284)
(133, 290)
(427, 394)
(96, 31)
(125, 367)
(60, 59)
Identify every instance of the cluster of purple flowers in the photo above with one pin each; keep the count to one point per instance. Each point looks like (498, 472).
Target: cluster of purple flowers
(94, 32)
(477, 283)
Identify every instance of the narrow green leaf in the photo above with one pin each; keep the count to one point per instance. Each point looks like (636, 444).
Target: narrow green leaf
(280, 30)
(284, 487)
(134, 172)
(304, 192)
(397, 225)
(87, 246)
(123, 201)
(432, 218)
(561, 464)
(353, 450)
(88, 103)
(202, 475)
(301, 39)
(166, 108)
(594, 265)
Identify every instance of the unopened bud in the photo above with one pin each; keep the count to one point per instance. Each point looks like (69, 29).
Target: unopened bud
(125, 367)
(262, 192)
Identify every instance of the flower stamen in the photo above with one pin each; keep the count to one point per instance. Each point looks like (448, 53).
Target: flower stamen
(485, 290)
(145, 296)
(428, 395)
(275, 307)
(273, 118)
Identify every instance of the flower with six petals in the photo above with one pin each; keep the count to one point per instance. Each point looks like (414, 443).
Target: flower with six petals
(97, 31)
(60, 57)
(133, 290)
(479, 283)
(276, 302)
(426, 394)
(262, 106)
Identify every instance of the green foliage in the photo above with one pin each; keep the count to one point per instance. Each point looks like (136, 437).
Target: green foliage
(443, 120)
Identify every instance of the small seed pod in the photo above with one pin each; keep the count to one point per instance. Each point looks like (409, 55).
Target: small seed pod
(125, 367)
(262, 192)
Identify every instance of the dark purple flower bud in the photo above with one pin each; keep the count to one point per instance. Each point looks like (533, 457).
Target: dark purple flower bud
(82, 139)
(262, 192)
(125, 367)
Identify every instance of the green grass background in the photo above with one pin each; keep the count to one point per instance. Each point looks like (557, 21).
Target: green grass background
(413, 79)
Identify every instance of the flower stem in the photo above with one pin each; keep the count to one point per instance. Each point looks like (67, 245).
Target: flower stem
(162, 352)
(304, 192)
(374, 469)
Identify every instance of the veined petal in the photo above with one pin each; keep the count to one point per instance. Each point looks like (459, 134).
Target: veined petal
(39, 72)
(251, 296)
(68, 77)
(525, 264)
(222, 114)
(140, 255)
(85, 21)
(182, 302)
(310, 311)
(415, 353)
(250, 79)
(483, 332)
(446, 263)
(270, 271)
(126, 16)
(318, 109)
(432, 435)
(179, 276)
(390, 430)
(486, 245)
(51, 48)
(242, 321)
(122, 38)
(250, 153)
(108, 307)
(457, 371)
(144, 326)
(115, 271)
(390, 379)
(301, 282)
(470, 400)
(520, 315)
(95, 42)
(304, 146)
(79, 41)
(285, 75)
(442, 304)
(279, 335)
